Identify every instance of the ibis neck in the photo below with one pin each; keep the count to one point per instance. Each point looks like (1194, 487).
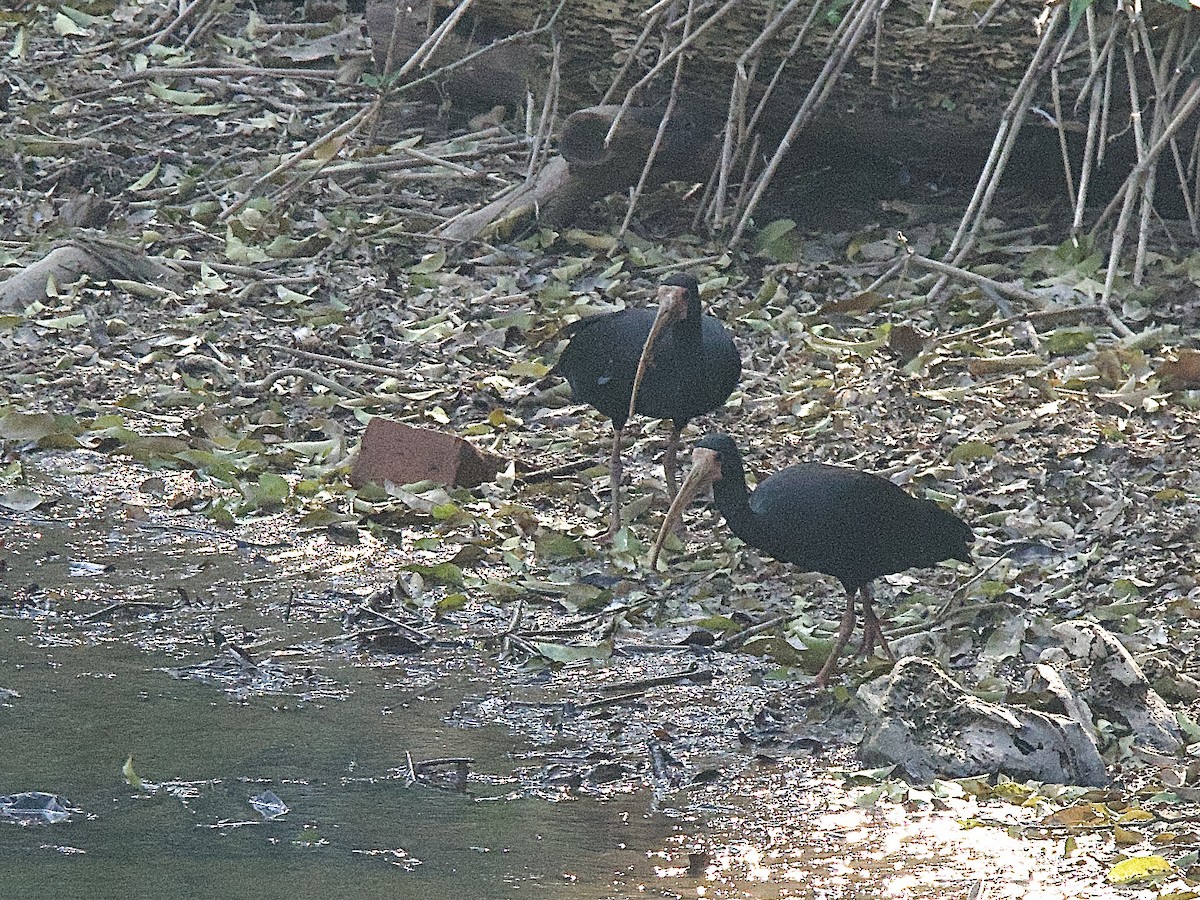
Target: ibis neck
(733, 500)
(689, 335)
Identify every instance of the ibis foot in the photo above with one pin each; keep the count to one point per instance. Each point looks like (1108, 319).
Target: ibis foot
(614, 487)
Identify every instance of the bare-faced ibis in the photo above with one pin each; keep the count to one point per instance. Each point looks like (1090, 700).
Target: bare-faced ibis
(836, 520)
(690, 368)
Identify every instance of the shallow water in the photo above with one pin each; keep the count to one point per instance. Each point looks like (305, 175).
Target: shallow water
(327, 729)
(354, 828)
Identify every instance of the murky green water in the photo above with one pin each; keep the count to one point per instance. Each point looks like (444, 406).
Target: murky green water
(352, 831)
(94, 685)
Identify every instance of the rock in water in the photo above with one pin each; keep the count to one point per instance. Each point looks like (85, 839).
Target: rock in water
(927, 725)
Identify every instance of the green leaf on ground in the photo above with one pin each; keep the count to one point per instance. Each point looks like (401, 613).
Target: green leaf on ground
(565, 653)
(440, 573)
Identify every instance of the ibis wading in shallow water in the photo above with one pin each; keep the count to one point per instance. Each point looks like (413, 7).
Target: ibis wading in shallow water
(839, 521)
(684, 365)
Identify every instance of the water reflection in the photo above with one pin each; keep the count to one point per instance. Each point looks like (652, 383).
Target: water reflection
(807, 839)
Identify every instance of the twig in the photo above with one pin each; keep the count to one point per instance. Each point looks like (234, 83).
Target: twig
(636, 193)
(736, 640)
(744, 71)
(787, 58)
(676, 51)
(386, 81)
(1145, 190)
(204, 24)
(952, 271)
(1059, 126)
(990, 14)
(156, 606)
(445, 761)
(1118, 244)
(901, 262)
(158, 36)
(537, 29)
(412, 772)
(344, 363)
(1006, 135)
(657, 9)
(960, 593)
(465, 171)
(609, 701)
(306, 375)
(388, 163)
(1106, 103)
(212, 533)
(1093, 128)
(416, 635)
(631, 55)
(429, 46)
(1183, 65)
(323, 75)
(1099, 58)
(541, 138)
(514, 621)
(1133, 189)
(694, 672)
(1187, 105)
(857, 20)
(691, 263)
(537, 475)
(1041, 315)
(353, 123)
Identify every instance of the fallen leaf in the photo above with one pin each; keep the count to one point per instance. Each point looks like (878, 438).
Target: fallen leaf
(21, 499)
(441, 573)
(564, 653)
(1138, 869)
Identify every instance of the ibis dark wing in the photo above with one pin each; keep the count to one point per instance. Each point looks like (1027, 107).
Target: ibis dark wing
(601, 359)
(852, 525)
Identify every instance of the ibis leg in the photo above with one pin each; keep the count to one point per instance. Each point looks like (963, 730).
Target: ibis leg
(872, 630)
(614, 480)
(671, 463)
(843, 635)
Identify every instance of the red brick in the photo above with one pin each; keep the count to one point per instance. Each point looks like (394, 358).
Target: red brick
(401, 454)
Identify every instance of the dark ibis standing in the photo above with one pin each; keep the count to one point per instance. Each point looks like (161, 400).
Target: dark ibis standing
(685, 364)
(836, 520)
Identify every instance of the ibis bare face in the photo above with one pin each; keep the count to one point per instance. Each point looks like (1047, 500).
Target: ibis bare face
(706, 468)
(672, 308)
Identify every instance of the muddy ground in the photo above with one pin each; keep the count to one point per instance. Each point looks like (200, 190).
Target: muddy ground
(209, 418)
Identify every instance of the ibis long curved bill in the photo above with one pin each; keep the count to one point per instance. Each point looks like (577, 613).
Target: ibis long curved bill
(672, 308)
(706, 468)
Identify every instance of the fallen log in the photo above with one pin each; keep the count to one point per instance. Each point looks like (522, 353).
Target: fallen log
(101, 260)
(590, 168)
(948, 92)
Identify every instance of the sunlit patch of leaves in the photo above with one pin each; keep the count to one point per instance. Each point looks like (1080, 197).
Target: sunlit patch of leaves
(1140, 828)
